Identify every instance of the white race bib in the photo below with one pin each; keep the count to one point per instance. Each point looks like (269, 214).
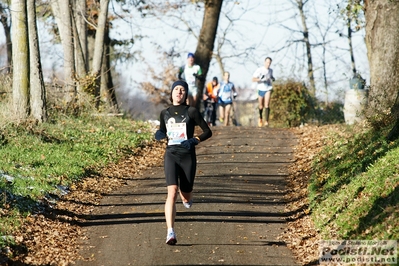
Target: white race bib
(177, 133)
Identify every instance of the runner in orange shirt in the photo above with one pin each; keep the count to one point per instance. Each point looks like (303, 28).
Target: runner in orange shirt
(210, 100)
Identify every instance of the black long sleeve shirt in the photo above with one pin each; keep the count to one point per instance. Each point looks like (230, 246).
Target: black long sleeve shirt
(195, 119)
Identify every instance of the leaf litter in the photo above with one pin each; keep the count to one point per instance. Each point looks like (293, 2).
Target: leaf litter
(301, 235)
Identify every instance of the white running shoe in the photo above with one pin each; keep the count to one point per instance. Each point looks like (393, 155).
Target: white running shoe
(188, 204)
(171, 239)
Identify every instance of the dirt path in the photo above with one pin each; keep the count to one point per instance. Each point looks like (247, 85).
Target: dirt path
(237, 214)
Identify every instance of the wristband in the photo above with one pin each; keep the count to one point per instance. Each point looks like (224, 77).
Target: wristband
(198, 139)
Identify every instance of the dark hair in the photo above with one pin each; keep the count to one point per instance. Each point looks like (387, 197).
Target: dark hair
(215, 79)
(269, 59)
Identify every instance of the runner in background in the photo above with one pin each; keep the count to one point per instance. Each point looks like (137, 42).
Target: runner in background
(190, 73)
(264, 78)
(177, 124)
(227, 93)
(210, 99)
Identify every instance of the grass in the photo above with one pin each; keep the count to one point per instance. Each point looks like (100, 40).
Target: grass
(38, 159)
(354, 190)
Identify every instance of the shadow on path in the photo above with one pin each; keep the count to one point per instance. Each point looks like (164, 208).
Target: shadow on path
(237, 214)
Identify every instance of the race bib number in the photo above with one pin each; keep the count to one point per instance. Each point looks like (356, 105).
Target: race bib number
(177, 133)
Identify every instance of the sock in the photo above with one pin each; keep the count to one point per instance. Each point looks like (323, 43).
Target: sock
(260, 113)
(267, 111)
(170, 230)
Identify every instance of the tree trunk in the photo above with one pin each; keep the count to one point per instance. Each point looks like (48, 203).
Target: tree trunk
(107, 85)
(20, 81)
(6, 22)
(206, 42)
(80, 36)
(62, 13)
(305, 33)
(382, 38)
(99, 47)
(37, 88)
(324, 63)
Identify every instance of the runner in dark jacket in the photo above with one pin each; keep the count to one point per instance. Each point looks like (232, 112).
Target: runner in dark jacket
(177, 124)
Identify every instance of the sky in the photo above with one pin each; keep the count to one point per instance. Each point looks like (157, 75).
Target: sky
(260, 27)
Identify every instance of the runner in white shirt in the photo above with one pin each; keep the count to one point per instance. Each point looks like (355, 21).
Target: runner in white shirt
(190, 73)
(263, 76)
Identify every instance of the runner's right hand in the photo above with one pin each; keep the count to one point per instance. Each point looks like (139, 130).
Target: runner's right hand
(159, 135)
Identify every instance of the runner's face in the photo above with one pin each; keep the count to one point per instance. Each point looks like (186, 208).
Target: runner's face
(178, 95)
(190, 61)
(226, 76)
(267, 63)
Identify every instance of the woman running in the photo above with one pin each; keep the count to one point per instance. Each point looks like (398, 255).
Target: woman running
(177, 124)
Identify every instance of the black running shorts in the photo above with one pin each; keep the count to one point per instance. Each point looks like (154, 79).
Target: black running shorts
(180, 164)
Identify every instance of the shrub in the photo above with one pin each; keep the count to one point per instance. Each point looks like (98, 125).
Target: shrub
(292, 103)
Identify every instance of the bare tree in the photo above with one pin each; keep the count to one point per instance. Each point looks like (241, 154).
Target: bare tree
(99, 45)
(205, 45)
(20, 84)
(62, 13)
(352, 13)
(37, 88)
(238, 51)
(300, 38)
(175, 15)
(324, 31)
(107, 88)
(80, 36)
(305, 31)
(159, 89)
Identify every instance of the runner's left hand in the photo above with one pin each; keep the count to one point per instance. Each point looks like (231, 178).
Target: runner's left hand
(190, 143)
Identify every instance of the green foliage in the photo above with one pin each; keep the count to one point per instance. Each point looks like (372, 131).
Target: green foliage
(354, 187)
(292, 103)
(354, 11)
